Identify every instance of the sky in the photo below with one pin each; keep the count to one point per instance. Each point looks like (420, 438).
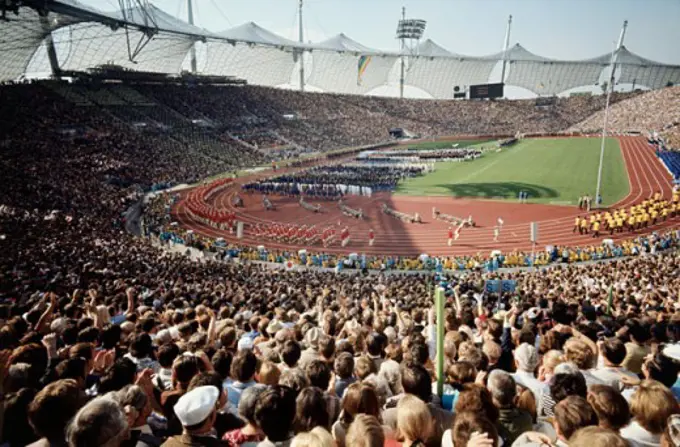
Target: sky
(562, 29)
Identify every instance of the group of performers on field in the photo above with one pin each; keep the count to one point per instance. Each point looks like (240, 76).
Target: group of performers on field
(585, 202)
(651, 211)
(309, 206)
(301, 234)
(404, 217)
(200, 209)
(350, 212)
(448, 218)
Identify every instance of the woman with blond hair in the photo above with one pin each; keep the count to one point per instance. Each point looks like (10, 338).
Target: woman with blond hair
(365, 431)
(594, 436)
(317, 437)
(549, 362)
(415, 424)
(651, 406)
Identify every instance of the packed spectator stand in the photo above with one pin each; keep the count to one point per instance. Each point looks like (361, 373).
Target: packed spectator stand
(109, 341)
(655, 110)
(672, 161)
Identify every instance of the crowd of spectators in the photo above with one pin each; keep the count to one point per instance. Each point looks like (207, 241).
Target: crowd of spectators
(108, 341)
(239, 355)
(652, 111)
(313, 121)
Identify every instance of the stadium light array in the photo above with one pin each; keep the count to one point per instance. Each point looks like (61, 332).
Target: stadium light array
(411, 28)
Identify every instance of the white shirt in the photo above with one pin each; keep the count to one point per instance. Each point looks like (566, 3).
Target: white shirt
(611, 375)
(527, 380)
(522, 441)
(447, 440)
(639, 437)
(591, 379)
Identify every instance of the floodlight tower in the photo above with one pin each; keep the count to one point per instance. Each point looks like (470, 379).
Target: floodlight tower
(610, 88)
(409, 32)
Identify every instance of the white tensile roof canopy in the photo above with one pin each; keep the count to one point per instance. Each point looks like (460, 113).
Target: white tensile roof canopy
(150, 39)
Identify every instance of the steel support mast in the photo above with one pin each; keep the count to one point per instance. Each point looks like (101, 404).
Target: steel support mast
(610, 88)
(505, 49)
(190, 17)
(301, 54)
(403, 58)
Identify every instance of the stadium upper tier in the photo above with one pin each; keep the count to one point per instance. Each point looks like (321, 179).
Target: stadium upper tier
(69, 36)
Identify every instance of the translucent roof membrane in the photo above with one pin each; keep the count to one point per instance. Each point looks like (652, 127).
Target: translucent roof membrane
(85, 37)
(550, 78)
(256, 64)
(20, 37)
(339, 72)
(253, 33)
(656, 76)
(438, 76)
(89, 44)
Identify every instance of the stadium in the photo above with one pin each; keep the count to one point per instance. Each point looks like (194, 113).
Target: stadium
(231, 237)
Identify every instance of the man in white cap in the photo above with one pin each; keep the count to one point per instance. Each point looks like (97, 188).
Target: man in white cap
(197, 410)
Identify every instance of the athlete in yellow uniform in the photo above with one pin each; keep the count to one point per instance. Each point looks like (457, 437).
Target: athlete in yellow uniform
(596, 229)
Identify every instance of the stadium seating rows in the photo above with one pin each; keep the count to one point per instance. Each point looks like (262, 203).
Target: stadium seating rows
(672, 161)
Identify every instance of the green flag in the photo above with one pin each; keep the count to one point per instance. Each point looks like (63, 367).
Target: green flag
(439, 303)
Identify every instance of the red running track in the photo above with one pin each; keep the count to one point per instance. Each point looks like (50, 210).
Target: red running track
(393, 237)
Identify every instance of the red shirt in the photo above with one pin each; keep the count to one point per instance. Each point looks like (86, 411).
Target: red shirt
(236, 437)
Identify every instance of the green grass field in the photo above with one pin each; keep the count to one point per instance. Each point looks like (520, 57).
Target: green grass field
(552, 171)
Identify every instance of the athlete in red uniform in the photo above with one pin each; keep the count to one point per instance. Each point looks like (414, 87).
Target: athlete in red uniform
(344, 237)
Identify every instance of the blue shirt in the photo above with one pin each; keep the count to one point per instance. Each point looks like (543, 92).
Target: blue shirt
(676, 389)
(235, 389)
(342, 384)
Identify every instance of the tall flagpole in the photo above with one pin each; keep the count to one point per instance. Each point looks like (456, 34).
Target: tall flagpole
(505, 48)
(610, 88)
(403, 62)
(301, 53)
